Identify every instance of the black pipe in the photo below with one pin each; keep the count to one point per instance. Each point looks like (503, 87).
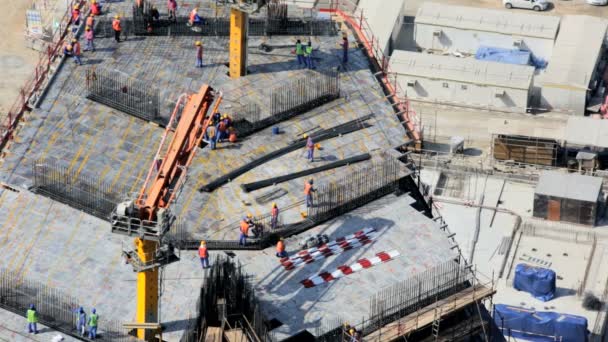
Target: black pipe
(247, 187)
(346, 128)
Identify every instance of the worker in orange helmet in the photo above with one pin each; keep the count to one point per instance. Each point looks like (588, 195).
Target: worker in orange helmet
(308, 190)
(281, 253)
(245, 224)
(310, 148)
(199, 54)
(203, 254)
(117, 28)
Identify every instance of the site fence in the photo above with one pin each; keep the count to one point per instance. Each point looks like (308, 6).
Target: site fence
(34, 86)
(123, 92)
(275, 23)
(56, 309)
(68, 186)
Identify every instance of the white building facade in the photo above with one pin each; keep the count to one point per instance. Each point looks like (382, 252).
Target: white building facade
(463, 82)
(446, 28)
(385, 21)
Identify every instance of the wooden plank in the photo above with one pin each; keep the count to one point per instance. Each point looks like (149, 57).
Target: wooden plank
(426, 315)
(214, 334)
(235, 335)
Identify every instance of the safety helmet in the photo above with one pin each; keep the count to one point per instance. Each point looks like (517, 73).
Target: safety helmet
(281, 238)
(92, 15)
(351, 331)
(32, 307)
(93, 310)
(305, 135)
(198, 43)
(69, 47)
(93, 1)
(249, 215)
(76, 7)
(346, 324)
(88, 28)
(117, 17)
(74, 40)
(274, 204)
(203, 242)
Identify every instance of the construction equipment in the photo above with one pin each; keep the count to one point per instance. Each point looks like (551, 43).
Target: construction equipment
(148, 217)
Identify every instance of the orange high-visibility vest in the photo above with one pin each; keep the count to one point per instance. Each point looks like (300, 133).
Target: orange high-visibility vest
(244, 227)
(116, 25)
(202, 252)
(192, 16)
(280, 247)
(307, 189)
(275, 211)
(90, 22)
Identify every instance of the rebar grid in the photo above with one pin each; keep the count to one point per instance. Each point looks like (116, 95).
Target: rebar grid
(56, 309)
(227, 299)
(70, 187)
(127, 94)
(276, 22)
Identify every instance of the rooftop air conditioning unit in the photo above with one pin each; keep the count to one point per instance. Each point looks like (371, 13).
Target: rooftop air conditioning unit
(412, 83)
(499, 93)
(518, 43)
(437, 33)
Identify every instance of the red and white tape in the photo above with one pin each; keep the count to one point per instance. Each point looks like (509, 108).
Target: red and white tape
(307, 256)
(344, 270)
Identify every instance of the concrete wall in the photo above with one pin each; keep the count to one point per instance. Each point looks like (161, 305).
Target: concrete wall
(464, 94)
(564, 99)
(453, 39)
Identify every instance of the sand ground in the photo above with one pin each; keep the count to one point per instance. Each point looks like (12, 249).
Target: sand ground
(17, 61)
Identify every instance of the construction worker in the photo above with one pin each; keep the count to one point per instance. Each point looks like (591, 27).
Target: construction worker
(117, 28)
(308, 190)
(81, 323)
(90, 21)
(221, 131)
(67, 49)
(89, 36)
(308, 55)
(76, 15)
(344, 49)
(93, 321)
(32, 319)
(203, 254)
(194, 18)
(244, 231)
(199, 54)
(76, 51)
(172, 8)
(153, 13)
(139, 4)
(274, 216)
(216, 118)
(281, 249)
(210, 136)
(310, 148)
(300, 53)
(95, 9)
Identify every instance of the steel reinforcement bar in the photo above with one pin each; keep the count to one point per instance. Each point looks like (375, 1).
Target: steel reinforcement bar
(330, 133)
(56, 309)
(85, 193)
(289, 100)
(129, 95)
(247, 187)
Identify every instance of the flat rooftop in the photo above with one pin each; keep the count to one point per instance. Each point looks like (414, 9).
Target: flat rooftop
(74, 252)
(419, 240)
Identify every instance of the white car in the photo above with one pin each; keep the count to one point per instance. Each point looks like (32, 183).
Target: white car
(537, 5)
(598, 2)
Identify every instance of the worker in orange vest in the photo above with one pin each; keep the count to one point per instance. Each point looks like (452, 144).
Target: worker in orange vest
(203, 254)
(308, 190)
(117, 28)
(95, 8)
(274, 216)
(281, 249)
(194, 18)
(90, 21)
(76, 51)
(76, 15)
(245, 225)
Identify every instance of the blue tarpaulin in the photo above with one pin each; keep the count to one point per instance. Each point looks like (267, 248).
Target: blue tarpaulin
(540, 325)
(509, 56)
(538, 281)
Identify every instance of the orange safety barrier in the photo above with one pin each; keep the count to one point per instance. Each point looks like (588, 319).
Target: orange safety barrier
(34, 84)
(360, 26)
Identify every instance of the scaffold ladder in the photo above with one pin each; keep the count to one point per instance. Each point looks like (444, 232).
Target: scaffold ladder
(436, 321)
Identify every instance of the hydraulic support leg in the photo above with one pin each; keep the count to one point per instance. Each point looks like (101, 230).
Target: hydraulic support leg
(239, 22)
(147, 289)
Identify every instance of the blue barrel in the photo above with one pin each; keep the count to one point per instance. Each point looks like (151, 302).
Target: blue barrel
(275, 130)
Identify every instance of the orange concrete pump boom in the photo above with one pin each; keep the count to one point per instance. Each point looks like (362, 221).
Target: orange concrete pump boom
(159, 191)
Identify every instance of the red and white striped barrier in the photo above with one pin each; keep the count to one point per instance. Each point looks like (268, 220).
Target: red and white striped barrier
(344, 270)
(307, 256)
